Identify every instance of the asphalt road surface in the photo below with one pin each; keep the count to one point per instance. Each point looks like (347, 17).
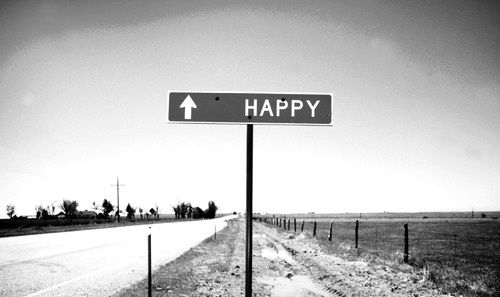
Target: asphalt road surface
(93, 262)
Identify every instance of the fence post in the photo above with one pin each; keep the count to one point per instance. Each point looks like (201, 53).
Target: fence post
(302, 228)
(294, 225)
(356, 233)
(330, 235)
(406, 244)
(149, 265)
(215, 232)
(455, 245)
(289, 224)
(280, 222)
(314, 229)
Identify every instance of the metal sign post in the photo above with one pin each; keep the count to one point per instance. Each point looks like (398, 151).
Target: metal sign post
(249, 109)
(249, 248)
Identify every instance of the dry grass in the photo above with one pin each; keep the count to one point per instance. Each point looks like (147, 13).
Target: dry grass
(189, 273)
(461, 256)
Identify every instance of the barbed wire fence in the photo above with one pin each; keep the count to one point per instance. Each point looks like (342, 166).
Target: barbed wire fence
(422, 243)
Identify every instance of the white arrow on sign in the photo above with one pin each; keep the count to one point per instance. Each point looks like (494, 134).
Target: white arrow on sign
(188, 104)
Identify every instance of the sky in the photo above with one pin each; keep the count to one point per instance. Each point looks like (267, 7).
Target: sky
(416, 104)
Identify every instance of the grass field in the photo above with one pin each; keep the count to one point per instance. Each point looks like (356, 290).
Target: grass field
(460, 255)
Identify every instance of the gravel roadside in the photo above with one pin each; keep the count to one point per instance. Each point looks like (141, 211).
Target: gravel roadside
(283, 265)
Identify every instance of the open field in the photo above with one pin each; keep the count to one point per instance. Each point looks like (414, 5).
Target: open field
(460, 255)
(390, 215)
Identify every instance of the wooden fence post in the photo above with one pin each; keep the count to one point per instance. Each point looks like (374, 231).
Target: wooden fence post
(356, 233)
(330, 235)
(406, 244)
(289, 224)
(314, 229)
(302, 228)
(294, 225)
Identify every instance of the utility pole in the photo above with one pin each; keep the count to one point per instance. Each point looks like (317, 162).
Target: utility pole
(118, 196)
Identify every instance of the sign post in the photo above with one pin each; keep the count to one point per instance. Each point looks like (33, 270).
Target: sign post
(249, 212)
(249, 109)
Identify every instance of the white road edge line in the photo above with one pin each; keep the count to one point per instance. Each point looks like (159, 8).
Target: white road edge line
(63, 284)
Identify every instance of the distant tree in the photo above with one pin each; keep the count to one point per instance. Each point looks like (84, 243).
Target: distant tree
(95, 206)
(45, 213)
(177, 210)
(107, 208)
(198, 213)
(183, 210)
(157, 212)
(69, 207)
(117, 214)
(11, 210)
(130, 212)
(211, 211)
(38, 210)
(189, 211)
(483, 215)
(53, 207)
(140, 211)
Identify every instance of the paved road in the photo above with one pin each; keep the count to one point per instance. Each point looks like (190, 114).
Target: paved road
(93, 262)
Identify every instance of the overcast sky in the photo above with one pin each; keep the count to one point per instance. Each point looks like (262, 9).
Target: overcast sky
(416, 104)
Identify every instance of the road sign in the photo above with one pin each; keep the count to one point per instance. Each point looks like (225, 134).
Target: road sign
(250, 108)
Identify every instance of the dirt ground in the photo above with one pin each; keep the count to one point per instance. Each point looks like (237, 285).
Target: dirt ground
(283, 265)
(293, 265)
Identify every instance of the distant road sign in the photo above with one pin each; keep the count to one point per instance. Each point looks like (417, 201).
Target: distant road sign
(250, 108)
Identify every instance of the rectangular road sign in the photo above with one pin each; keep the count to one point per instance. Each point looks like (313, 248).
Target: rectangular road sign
(250, 108)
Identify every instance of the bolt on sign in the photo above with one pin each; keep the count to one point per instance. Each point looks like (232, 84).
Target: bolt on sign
(250, 108)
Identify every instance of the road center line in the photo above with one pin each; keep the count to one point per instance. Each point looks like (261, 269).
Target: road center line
(64, 283)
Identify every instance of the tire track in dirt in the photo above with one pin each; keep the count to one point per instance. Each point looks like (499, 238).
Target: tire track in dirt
(333, 275)
(300, 279)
